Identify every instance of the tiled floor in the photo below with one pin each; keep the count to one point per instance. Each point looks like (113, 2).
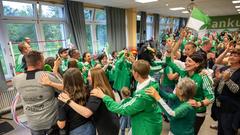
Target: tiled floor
(205, 130)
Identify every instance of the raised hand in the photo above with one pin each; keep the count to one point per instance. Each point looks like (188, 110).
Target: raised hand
(64, 97)
(226, 75)
(153, 93)
(57, 62)
(44, 79)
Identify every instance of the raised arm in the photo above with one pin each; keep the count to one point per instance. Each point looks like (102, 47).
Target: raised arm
(179, 112)
(220, 58)
(135, 105)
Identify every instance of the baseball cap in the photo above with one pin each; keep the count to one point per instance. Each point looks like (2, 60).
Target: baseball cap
(60, 50)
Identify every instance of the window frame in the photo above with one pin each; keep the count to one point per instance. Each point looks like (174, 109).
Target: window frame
(93, 24)
(54, 18)
(20, 17)
(37, 20)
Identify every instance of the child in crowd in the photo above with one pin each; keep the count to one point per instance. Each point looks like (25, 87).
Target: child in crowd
(125, 120)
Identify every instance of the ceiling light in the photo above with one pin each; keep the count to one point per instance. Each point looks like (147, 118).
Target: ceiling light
(185, 12)
(235, 1)
(166, 4)
(177, 8)
(145, 1)
(238, 9)
(237, 6)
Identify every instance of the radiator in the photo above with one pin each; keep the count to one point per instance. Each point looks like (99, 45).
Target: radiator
(6, 98)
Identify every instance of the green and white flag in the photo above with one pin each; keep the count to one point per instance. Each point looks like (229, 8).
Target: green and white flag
(198, 20)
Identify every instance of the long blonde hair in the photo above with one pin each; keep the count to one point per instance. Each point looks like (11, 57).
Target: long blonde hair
(99, 79)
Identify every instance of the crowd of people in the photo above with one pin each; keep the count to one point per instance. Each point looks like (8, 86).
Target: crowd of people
(175, 82)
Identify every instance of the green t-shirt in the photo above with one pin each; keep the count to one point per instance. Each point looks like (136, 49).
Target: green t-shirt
(64, 66)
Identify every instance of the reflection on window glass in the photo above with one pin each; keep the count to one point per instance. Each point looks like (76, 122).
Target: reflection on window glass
(163, 20)
(52, 11)
(17, 33)
(149, 19)
(96, 29)
(149, 28)
(88, 13)
(3, 64)
(100, 15)
(149, 31)
(101, 33)
(176, 25)
(52, 34)
(89, 38)
(17, 9)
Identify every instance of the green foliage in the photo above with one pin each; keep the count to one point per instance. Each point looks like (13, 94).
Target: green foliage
(27, 10)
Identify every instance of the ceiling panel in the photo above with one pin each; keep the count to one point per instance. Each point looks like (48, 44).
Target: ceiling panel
(211, 7)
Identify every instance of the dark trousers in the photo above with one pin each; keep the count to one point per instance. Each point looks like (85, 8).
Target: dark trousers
(225, 124)
(198, 123)
(52, 131)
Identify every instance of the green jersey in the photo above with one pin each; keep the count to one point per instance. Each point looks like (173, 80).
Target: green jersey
(122, 74)
(144, 111)
(19, 64)
(203, 85)
(166, 81)
(184, 42)
(214, 46)
(80, 65)
(182, 115)
(156, 66)
(64, 66)
(87, 67)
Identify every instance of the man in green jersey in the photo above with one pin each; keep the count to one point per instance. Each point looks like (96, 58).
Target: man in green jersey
(144, 111)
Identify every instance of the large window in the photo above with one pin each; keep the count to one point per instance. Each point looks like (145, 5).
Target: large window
(18, 31)
(53, 35)
(43, 23)
(52, 11)
(45, 28)
(167, 26)
(149, 27)
(17, 9)
(96, 29)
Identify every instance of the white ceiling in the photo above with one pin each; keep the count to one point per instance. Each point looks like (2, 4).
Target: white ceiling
(210, 7)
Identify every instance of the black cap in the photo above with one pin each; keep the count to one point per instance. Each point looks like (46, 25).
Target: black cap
(60, 50)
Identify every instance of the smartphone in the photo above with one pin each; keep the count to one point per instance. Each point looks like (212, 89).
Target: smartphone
(57, 56)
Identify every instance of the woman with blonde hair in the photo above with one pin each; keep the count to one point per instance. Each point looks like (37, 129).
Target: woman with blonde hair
(106, 123)
(98, 79)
